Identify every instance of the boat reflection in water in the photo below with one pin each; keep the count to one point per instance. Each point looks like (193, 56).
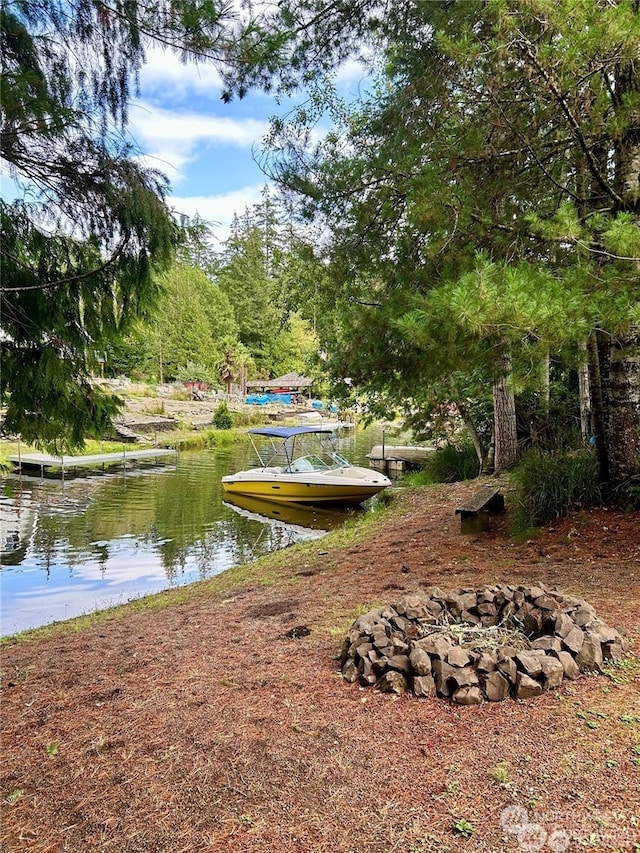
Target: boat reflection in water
(301, 520)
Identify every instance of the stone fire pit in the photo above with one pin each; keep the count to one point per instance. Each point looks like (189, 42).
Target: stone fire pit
(468, 645)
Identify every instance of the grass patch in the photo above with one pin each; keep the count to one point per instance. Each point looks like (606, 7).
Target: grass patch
(550, 485)
(449, 464)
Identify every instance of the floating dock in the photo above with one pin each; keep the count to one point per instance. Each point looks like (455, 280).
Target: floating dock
(45, 461)
(395, 458)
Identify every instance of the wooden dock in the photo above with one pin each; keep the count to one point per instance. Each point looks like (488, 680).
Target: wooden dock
(45, 461)
(395, 458)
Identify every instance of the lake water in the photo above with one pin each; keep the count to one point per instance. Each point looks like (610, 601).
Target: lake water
(86, 543)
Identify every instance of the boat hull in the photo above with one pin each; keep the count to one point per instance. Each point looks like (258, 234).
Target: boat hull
(283, 489)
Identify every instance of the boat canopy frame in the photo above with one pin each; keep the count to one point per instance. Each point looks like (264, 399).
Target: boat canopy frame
(284, 442)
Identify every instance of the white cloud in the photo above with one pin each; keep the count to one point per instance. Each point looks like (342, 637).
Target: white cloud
(171, 139)
(164, 75)
(218, 210)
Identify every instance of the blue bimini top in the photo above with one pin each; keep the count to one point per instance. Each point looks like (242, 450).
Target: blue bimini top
(286, 432)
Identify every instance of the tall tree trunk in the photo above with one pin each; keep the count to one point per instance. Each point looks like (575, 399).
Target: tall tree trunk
(545, 377)
(585, 397)
(622, 423)
(597, 407)
(504, 416)
(623, 416)
(475, 438)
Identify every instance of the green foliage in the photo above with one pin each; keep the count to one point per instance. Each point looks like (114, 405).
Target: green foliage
(452, 463)
(89, 226)
(549, 485)
(627, 493)
(255, 276)
(222, 417)
(480, 200)
(193, 372)
(462, 827)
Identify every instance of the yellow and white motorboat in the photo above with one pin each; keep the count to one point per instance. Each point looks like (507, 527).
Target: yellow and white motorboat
(301, 465)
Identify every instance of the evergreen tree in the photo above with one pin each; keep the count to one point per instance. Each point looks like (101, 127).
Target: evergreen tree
(501, 129)
(87, 225)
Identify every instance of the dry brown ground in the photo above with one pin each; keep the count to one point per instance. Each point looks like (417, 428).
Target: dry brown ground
(202, 726)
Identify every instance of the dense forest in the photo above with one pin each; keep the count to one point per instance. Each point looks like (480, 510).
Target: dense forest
(476, 213)
(224, 312)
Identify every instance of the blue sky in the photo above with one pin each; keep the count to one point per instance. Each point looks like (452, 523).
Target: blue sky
(205, 147)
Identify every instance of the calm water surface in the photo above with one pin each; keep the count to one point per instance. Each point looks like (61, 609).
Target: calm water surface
(91, 542)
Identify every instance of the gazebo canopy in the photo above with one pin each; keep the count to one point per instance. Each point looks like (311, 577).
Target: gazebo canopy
(290, 381)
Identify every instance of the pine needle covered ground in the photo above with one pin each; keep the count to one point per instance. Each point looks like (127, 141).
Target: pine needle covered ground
(199, 720)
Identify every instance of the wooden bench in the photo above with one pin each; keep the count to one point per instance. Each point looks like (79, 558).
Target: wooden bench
(474, 515)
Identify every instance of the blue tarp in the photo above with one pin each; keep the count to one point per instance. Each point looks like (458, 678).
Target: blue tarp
(263, 399)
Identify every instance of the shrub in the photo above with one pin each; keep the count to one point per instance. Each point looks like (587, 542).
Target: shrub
(222, 417)
(549, 485)
(452, 463)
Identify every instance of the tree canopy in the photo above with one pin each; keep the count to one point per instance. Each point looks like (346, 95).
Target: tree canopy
(87, 225)
(481, 204)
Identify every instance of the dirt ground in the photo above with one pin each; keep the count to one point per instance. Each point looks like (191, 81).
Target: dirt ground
(202, 726)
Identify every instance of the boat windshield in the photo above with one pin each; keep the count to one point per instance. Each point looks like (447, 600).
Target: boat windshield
(306, 464)
(340, 461)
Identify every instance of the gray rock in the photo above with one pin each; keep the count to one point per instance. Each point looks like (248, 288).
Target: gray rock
(545, 602)
(380, 664)
(424, 686)
(467, 696)
(564, 625)
(508, 668)
(506, 652)
(547, 644)
(612, 651)
(527, 687)
(529, 663)
(574, 640)
(486, 594)
(392, 682)
(434, 608)
(535, 592)
(518, 597)
(401, 623)
(415, 607)
(589, 658)
(553, 672)
(400, 662)
(531, 621)
(464, 677)
(363, 648)
(486, 662)
(442, 672)
(457, 602)
(507, 612)
(400, 647)
(350, 671)
(457, 656)
(367, 675)
(570, 667)
(496, 687)
(584, 615)
(470, 618)
(435, 645)
(606, 634)
(379, 637)
(420, 661)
